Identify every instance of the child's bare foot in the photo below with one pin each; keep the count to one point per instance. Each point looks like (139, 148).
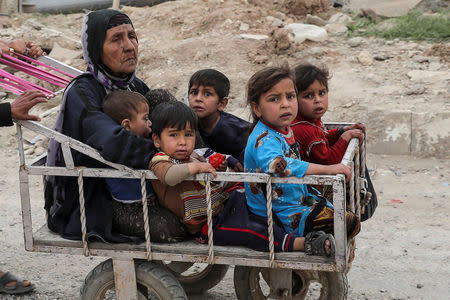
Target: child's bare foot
(327, 247)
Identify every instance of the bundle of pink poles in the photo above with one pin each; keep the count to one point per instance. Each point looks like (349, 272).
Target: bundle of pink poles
(33, 68)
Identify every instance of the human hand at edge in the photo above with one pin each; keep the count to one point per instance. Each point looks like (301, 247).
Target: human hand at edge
(340, 169)
(353, 133)
(201, 167)
(23, 103)
(34, 50)
(223, 166)
(4, 47)
(238, 167)
(18, 45)
(358, 125)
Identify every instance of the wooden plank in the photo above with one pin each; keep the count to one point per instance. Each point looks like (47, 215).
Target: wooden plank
(221, 176)
(328, 265)
(340, 233)
(281, 283)
(26, 209)
(125, 279)
(116, 4)
(176, 251)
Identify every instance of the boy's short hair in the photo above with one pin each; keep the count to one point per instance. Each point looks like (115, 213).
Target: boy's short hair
(158, 96)
(172, 114)
(120, 104)
(306, 74)
(211, 77)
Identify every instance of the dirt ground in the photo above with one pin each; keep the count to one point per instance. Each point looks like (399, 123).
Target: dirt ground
(402, 252)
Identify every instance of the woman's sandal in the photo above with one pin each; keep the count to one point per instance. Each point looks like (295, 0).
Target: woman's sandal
(315, 243)
(17, 288)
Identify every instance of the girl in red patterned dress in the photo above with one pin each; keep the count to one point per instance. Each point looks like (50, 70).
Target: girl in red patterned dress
(317, 144)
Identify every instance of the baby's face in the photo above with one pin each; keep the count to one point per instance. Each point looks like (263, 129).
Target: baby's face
(140, 124)
(313, 102)
(177, 143)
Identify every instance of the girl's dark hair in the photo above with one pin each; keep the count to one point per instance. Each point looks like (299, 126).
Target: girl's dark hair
(306, 74)
(122, 104)
(211, 77)
(262, 81)
(172, 114)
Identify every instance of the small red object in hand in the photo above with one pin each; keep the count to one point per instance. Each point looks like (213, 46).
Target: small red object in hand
(216, 160)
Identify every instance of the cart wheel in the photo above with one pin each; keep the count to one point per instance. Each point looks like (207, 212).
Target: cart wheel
(196, 278)
(153, 282)
(252, 283)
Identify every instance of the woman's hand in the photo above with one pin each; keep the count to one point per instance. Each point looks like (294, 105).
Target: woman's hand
(34, 50)
(23, 103)
(18, 46)
(4, 47)
(31, 49)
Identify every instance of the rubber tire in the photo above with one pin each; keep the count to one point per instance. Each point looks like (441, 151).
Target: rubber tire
(336, 286)
(148, 274)
(200, 282)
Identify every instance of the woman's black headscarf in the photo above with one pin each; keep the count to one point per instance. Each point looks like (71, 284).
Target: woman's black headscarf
(93, 34)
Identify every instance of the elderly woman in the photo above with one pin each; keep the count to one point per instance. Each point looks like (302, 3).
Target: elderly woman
(110, 48)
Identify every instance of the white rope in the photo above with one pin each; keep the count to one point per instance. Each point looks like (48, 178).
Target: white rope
(270, 221)
(82, 212)
(363, 157)
(148, 245)
(210, 225)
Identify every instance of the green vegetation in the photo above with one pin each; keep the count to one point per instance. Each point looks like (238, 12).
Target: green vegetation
(413, 26)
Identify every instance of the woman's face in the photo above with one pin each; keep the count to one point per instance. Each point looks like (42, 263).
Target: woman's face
(120, 50)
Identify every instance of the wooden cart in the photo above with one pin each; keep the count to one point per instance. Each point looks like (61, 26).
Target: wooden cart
(138, 272)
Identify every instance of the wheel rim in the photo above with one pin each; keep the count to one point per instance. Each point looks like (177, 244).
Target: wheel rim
(311, 283)
(305, 283)
(108, 292)
(190, 272)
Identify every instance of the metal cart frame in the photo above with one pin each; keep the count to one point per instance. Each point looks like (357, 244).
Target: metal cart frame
(280, 264)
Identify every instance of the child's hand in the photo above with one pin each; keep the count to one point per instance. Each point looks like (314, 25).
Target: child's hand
(238, 167)
(358, 125)
(201, 167)
(340, 169)
(353, 133)
(223, 166)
